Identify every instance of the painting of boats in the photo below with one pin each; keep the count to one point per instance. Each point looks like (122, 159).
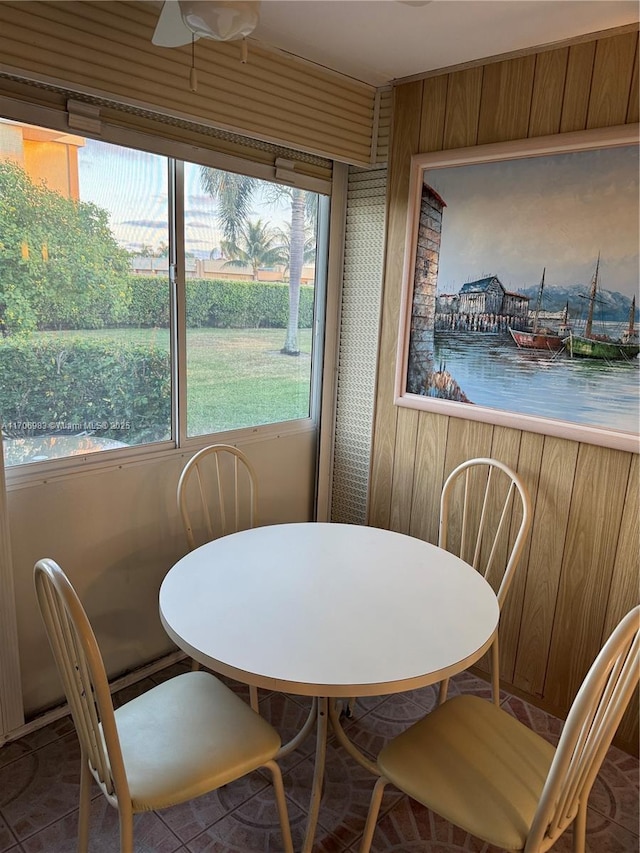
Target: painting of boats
(538, 336)
(498, 279)
(602, 346)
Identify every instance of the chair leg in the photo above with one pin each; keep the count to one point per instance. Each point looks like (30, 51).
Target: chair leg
(580, 828)
(253, 698)
(126, 828)
(281, 802)
(495, 672)
(85, 806)
(442, 692)
(372, 817)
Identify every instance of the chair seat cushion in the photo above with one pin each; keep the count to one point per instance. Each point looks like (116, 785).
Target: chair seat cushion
(475, 765)
(188, 736)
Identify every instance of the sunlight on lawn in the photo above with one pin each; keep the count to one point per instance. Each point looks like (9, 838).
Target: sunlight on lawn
(235, 377)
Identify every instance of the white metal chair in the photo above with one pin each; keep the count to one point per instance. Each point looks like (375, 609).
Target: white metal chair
(218, 495)
(181, 739)
(485, 515)
(486, 772)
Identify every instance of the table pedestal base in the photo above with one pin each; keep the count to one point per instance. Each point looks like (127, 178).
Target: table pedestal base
(322, 710)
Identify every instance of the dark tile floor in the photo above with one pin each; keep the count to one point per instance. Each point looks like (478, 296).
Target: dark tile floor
(39, 792)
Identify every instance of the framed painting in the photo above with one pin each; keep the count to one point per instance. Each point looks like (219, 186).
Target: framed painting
(520, 286)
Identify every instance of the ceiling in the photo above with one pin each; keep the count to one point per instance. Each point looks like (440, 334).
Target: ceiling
(377, 41)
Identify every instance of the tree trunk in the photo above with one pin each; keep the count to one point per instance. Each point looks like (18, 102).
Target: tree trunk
(295, 270)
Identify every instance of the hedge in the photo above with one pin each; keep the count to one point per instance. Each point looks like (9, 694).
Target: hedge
(219, 304)
(120, 391)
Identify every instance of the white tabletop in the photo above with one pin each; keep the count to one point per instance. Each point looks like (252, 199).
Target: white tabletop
(328, 609)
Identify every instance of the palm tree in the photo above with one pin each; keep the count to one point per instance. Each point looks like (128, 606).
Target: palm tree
(234, 194)
(255, 248)
(309, 249)
(296, 256)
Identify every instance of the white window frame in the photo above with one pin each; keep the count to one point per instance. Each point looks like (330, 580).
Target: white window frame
(178, 153)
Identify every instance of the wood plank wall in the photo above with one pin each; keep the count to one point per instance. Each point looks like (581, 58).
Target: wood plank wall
(579, 573)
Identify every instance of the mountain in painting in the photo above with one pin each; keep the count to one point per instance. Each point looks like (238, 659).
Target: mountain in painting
(613, 306)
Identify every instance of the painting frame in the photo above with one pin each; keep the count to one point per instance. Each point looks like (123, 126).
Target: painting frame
(544, 146)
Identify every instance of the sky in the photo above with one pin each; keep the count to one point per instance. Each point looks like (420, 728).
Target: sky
(514, 217)
(132, 186)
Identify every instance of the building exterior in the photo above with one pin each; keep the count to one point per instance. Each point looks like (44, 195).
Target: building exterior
(45, 155)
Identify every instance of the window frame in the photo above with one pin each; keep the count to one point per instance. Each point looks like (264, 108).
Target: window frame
(177, 154)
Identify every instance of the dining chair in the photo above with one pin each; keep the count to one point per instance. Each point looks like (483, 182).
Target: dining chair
(486, 772)
(218, 495)
(183, 738)
(485, 515)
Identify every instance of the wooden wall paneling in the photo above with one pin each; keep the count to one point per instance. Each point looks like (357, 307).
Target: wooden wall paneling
(527, 464)
(577, 86)
(595, 517)
(505, 446)
(463, 108)
(429, 476)
(405, 138)
(627, 735)
(434, 104)
(633, 110)
(624, 586)
(625, 592)
(611, 84)
(506, 100)
(404, 461)
(580, 565)
(548, 535)
(465, 440)
(431, 116)
(548, 92)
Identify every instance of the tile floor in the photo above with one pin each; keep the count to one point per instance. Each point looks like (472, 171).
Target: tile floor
(39, 792)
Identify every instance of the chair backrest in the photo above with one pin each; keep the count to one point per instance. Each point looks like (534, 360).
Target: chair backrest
(217, 493)
(485, 515)
(83, 675)
(587, 734)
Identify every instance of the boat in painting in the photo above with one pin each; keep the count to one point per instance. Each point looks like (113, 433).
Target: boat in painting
(592, 345)
(538, 336)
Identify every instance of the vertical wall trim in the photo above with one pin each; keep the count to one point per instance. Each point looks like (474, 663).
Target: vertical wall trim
(11, 710)
(331, 325)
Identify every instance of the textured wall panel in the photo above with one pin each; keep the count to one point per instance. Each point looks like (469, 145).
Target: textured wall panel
(361, 293)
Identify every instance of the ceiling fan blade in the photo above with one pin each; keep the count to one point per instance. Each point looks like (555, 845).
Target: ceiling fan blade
(171, 31)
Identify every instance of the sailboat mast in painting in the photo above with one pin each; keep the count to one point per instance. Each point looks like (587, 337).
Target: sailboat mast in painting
(591, 345)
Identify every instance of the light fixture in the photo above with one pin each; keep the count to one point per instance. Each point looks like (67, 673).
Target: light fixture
(222, 20)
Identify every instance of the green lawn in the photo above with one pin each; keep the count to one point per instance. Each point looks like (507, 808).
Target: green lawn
(235, 377)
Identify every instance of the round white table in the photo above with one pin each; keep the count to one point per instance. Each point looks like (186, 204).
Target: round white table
(328, 610)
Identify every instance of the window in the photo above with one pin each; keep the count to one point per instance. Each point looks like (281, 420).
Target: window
(88, 258)
(250, 251)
